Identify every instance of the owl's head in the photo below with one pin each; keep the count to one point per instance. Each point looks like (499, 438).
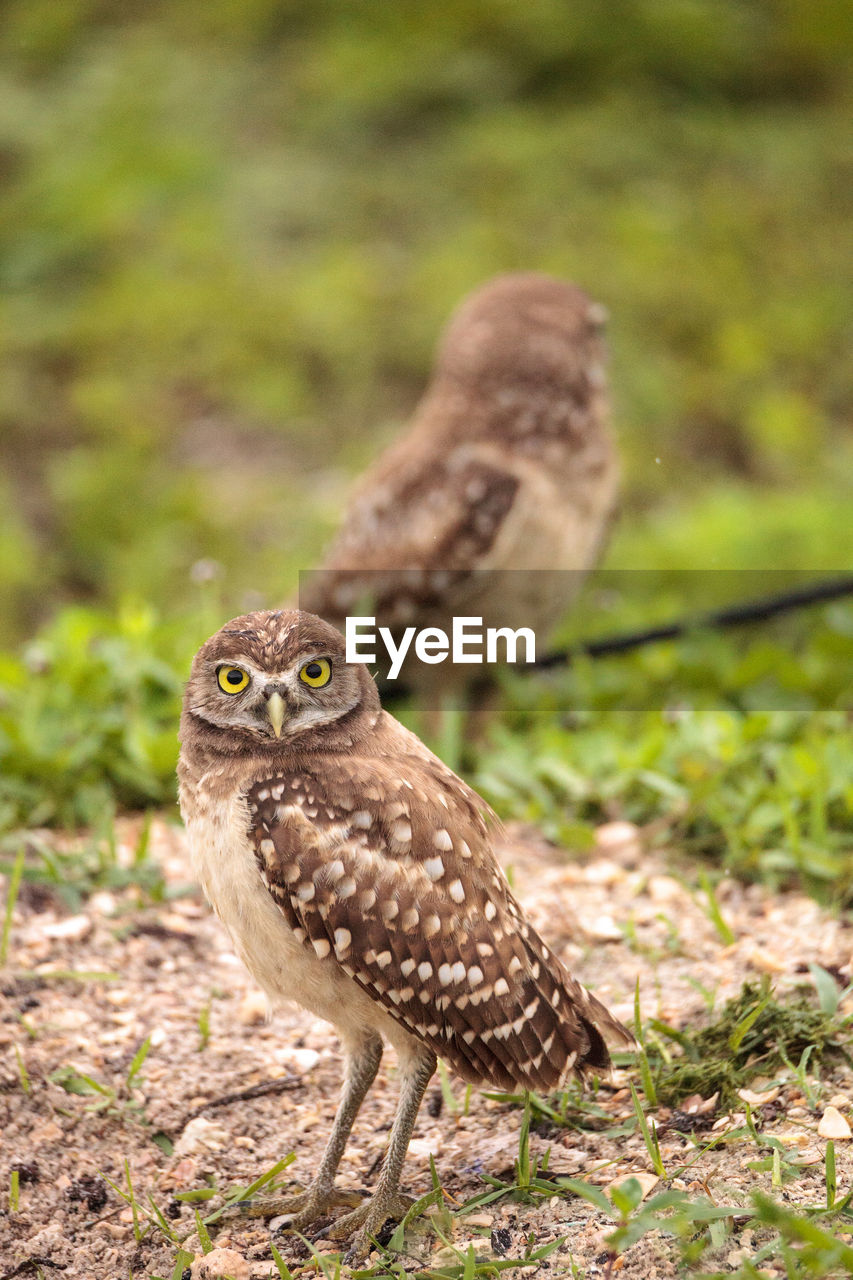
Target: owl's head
(526, 328)
(271, 679)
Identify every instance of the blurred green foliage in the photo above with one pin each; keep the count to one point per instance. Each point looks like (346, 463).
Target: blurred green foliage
(88, 719)
(721, 745)
(734, 748)
(230, 233)
(229, 236)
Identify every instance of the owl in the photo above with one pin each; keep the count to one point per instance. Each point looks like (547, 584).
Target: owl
(498, 499)
(356, 875)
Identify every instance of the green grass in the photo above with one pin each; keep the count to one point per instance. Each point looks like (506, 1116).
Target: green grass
(754, 1035)
(733, 747)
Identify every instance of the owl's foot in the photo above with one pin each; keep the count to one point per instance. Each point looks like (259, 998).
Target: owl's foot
(367, 1221)
(302, 1209)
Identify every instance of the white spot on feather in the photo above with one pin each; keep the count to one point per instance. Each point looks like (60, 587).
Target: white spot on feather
(432, 926)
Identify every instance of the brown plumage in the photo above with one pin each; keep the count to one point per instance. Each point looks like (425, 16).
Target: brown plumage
(508, 465)
(356, 874)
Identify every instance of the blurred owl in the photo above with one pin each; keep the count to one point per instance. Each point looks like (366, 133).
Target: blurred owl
(498, 498)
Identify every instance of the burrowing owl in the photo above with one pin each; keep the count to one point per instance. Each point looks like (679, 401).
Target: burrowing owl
(508, 466)
(356, 876)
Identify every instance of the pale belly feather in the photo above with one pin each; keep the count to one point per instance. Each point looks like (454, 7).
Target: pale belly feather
(224, 862)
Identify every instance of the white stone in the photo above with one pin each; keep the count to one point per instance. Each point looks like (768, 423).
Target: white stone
(219, 1263)
(832, 1124)
(253, 1009)
(201, 1135)
(74, 928)
(621, 837)
(604, 929)
(299, 1060)
(423, 1148)
(758, 1099)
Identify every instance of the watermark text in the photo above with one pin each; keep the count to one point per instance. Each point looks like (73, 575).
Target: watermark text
(468, 642)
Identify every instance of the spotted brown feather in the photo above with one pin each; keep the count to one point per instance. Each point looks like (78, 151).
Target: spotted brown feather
(403, 892)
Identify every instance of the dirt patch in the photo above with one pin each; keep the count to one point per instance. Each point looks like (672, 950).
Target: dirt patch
(172, 976)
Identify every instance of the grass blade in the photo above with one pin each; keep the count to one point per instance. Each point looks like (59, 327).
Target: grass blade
(11, 898)
(650, 1137)
(829, 1177)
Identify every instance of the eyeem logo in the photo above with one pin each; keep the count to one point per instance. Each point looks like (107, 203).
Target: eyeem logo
(433, 645)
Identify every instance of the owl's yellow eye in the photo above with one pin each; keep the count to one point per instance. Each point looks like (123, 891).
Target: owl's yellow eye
(316, 673)
(232, 679)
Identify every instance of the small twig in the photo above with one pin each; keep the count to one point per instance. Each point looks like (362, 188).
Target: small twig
(37, 1261)
(243, 1095)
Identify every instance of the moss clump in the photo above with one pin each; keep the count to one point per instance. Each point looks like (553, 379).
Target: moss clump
(755, 1035)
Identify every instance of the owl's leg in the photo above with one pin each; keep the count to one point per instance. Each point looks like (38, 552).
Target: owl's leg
(386, 1201)
(321, 1196)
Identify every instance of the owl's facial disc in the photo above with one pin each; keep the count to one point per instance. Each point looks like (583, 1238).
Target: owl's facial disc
(236, 694)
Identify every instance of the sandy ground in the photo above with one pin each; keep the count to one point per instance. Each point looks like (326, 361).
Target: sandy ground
(170, 962)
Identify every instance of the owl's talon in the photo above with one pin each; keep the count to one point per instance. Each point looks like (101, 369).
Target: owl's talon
(368, 1220)
(304, 1208)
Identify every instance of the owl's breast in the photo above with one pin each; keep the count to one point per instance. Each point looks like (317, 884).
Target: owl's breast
(223, 859)
(224, 862)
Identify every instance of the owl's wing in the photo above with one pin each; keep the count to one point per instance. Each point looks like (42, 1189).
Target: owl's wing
(386, 868)
(447, 516)
(402, 545)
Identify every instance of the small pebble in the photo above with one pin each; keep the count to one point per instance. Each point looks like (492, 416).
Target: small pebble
(604, 872)
(71, 1020)
(201, 1135)
(423, 1148)
(758, 1099)
(646, 1180)
(833, 1125)
(254, 1009)
(765, 961)
(219, 1263)
(73, 927)
(622, 838)
(102, 903)
(501, 1239)
(300, 1061)
(665, 889)
(604, 929)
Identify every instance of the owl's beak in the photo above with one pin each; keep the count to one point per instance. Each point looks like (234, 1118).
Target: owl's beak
(275, 711)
